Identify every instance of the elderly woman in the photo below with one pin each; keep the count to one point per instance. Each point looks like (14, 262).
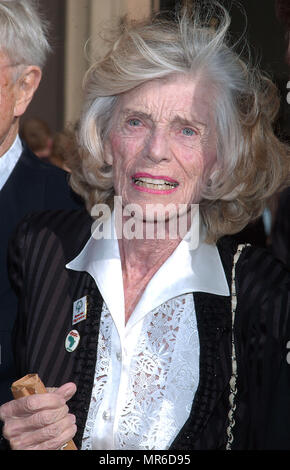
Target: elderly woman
(160, 342)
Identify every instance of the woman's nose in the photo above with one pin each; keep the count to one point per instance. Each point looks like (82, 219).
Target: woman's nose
(157, 148)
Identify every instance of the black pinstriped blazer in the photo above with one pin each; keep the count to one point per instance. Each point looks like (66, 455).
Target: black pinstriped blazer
(32, 186)
(281, 229)
(46, 290)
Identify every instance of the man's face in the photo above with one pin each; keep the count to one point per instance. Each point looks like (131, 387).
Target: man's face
(8, 95)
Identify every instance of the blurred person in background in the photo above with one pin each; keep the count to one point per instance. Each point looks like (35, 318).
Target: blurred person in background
(26, 183)
(63, 147)
(37, 135)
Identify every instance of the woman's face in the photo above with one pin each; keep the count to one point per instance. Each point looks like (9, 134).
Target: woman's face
(162, 142)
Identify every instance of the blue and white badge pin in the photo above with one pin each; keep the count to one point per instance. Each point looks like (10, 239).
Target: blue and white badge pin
(72, 340)
(80, 310)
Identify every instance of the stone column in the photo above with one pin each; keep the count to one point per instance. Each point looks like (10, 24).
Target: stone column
(86, 20)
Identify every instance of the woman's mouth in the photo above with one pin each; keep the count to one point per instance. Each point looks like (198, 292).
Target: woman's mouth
(154, 184)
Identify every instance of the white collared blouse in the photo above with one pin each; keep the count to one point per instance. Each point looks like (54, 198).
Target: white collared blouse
(147, 370)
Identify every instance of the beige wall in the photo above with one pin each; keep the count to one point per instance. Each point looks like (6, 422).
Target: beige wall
(85, 19)
(77, 33)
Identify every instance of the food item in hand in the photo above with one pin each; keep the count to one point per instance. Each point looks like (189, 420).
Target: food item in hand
(29, 385)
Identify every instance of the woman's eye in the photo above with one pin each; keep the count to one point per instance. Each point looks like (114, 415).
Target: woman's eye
(188, 132)
(134, 122)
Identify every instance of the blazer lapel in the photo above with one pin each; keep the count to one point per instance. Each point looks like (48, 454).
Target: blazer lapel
(214, 321)
(214, 328)
(85, 356)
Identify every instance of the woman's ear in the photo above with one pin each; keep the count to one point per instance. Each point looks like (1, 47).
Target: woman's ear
(26, 86)
(108, 152)
(211, 171)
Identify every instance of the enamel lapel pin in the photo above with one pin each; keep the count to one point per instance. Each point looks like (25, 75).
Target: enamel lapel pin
(80, 307)
(79, 314)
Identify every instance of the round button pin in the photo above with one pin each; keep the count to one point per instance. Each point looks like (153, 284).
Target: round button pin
(72, 340)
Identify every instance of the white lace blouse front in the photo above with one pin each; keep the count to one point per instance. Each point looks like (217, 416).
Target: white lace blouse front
(144, 384)
(147, 371)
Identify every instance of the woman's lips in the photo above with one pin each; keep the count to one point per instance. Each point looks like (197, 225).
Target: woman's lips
(154, 184)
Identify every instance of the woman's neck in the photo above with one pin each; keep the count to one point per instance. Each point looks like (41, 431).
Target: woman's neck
(140, 260)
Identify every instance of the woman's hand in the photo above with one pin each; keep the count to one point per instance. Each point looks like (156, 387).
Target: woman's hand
(40, 421)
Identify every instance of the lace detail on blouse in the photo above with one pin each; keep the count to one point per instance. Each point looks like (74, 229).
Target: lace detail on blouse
(161, 381)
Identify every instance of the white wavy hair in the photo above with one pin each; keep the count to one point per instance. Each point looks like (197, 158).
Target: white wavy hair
(253, 164)
(23, 32)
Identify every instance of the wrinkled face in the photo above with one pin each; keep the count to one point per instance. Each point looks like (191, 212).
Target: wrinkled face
(7, 99)
(162, 142)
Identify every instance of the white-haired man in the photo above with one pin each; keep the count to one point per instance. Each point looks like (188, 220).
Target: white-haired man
(26, 183)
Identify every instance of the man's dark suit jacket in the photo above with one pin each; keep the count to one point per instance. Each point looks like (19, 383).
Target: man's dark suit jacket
(32, 186)
(47, 290)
